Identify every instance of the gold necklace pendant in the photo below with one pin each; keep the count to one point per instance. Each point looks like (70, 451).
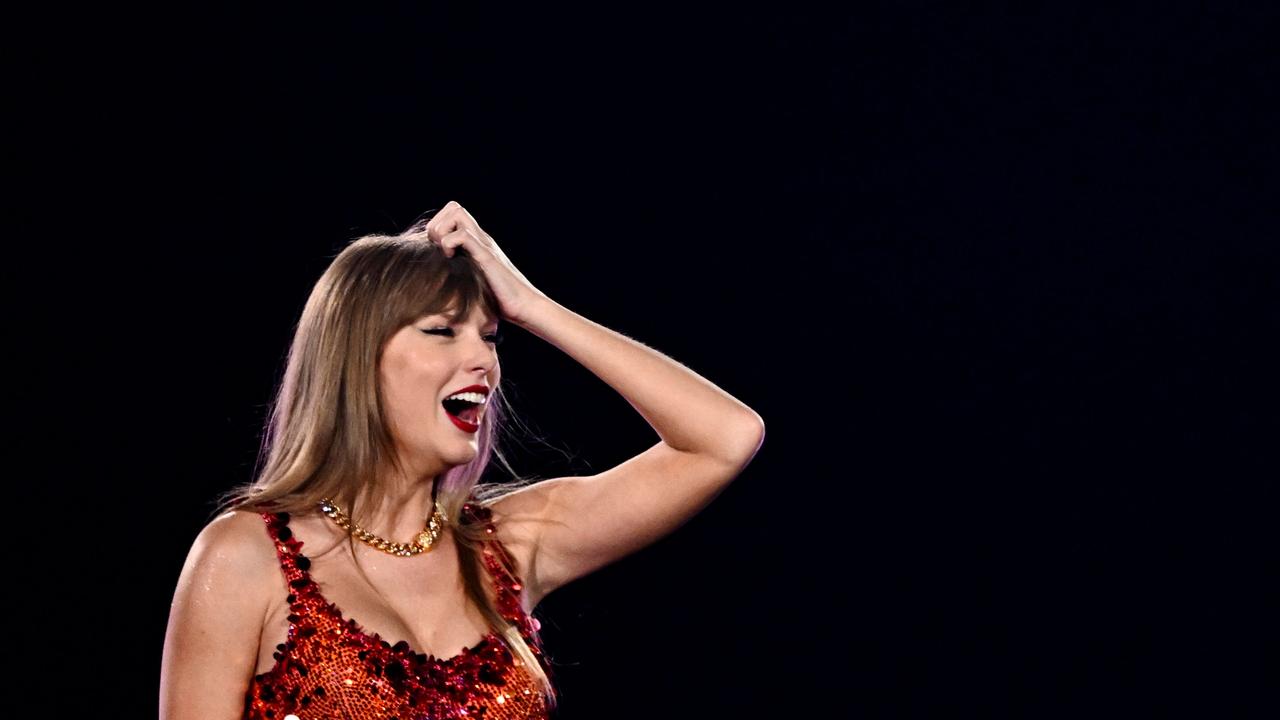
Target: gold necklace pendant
(422, 543)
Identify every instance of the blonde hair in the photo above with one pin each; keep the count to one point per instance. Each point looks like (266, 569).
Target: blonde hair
(328, 423)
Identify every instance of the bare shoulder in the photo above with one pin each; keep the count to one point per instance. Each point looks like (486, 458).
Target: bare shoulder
(241, 529)
(216, 618)
(233, 569)
(520, 515)
(239, 541)
(519, 518)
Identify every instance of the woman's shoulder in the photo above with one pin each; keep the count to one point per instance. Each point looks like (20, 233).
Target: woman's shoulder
(241, 536)
(232, 562)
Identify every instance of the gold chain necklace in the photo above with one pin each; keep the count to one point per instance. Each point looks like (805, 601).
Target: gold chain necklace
(424, 542)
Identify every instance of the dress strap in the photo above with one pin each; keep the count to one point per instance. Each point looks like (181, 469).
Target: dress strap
(497, 559)
(293, 563)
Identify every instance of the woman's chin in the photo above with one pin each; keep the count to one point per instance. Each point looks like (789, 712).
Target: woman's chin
(461, 452)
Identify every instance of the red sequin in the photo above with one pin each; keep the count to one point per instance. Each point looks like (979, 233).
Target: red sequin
(330, 668)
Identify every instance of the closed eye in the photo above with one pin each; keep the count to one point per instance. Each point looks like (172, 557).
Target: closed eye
(495, 338)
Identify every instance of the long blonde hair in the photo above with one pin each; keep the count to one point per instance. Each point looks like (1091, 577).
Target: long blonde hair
(328, 422)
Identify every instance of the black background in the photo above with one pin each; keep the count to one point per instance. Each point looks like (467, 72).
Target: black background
(999, 279)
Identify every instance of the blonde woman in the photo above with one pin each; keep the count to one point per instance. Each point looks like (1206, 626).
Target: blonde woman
(363, 573)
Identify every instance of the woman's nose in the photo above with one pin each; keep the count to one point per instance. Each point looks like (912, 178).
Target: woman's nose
(482, 353)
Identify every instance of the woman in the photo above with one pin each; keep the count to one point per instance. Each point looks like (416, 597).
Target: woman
(386, 416)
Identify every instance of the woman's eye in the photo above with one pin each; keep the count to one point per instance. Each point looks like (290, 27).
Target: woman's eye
(495, 338)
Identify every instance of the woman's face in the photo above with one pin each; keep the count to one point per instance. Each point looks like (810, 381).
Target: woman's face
(425, 362)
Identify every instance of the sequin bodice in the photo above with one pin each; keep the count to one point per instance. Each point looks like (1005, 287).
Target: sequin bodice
(331, 668)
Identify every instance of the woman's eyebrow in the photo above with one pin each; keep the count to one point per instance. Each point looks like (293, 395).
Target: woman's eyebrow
(454, 318)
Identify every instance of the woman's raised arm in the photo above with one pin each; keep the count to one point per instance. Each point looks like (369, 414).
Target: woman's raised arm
(565, 528)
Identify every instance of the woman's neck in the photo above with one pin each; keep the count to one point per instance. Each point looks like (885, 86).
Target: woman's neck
(402, 513)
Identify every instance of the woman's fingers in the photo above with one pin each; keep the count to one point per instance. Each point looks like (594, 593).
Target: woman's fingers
(453, 227)
(451, 218)
(462, 236)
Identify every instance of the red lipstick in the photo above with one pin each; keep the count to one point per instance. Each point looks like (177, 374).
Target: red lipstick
(461, 424)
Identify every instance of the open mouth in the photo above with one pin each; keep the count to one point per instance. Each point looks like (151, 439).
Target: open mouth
(464, 410)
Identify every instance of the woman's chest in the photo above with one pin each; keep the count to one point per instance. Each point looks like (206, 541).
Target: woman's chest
(424, 604)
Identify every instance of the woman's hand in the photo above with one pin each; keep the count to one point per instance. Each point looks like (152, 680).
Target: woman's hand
(453, 227)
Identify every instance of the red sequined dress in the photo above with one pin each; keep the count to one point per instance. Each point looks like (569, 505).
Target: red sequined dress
(330, 668)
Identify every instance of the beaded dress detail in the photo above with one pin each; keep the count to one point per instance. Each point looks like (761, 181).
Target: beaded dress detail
(331, 668)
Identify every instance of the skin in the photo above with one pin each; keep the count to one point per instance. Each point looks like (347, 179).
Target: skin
(558, 530)
(421, 365)
(418, 370)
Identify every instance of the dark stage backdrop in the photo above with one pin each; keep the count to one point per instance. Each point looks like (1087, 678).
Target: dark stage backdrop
(1000, 281)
